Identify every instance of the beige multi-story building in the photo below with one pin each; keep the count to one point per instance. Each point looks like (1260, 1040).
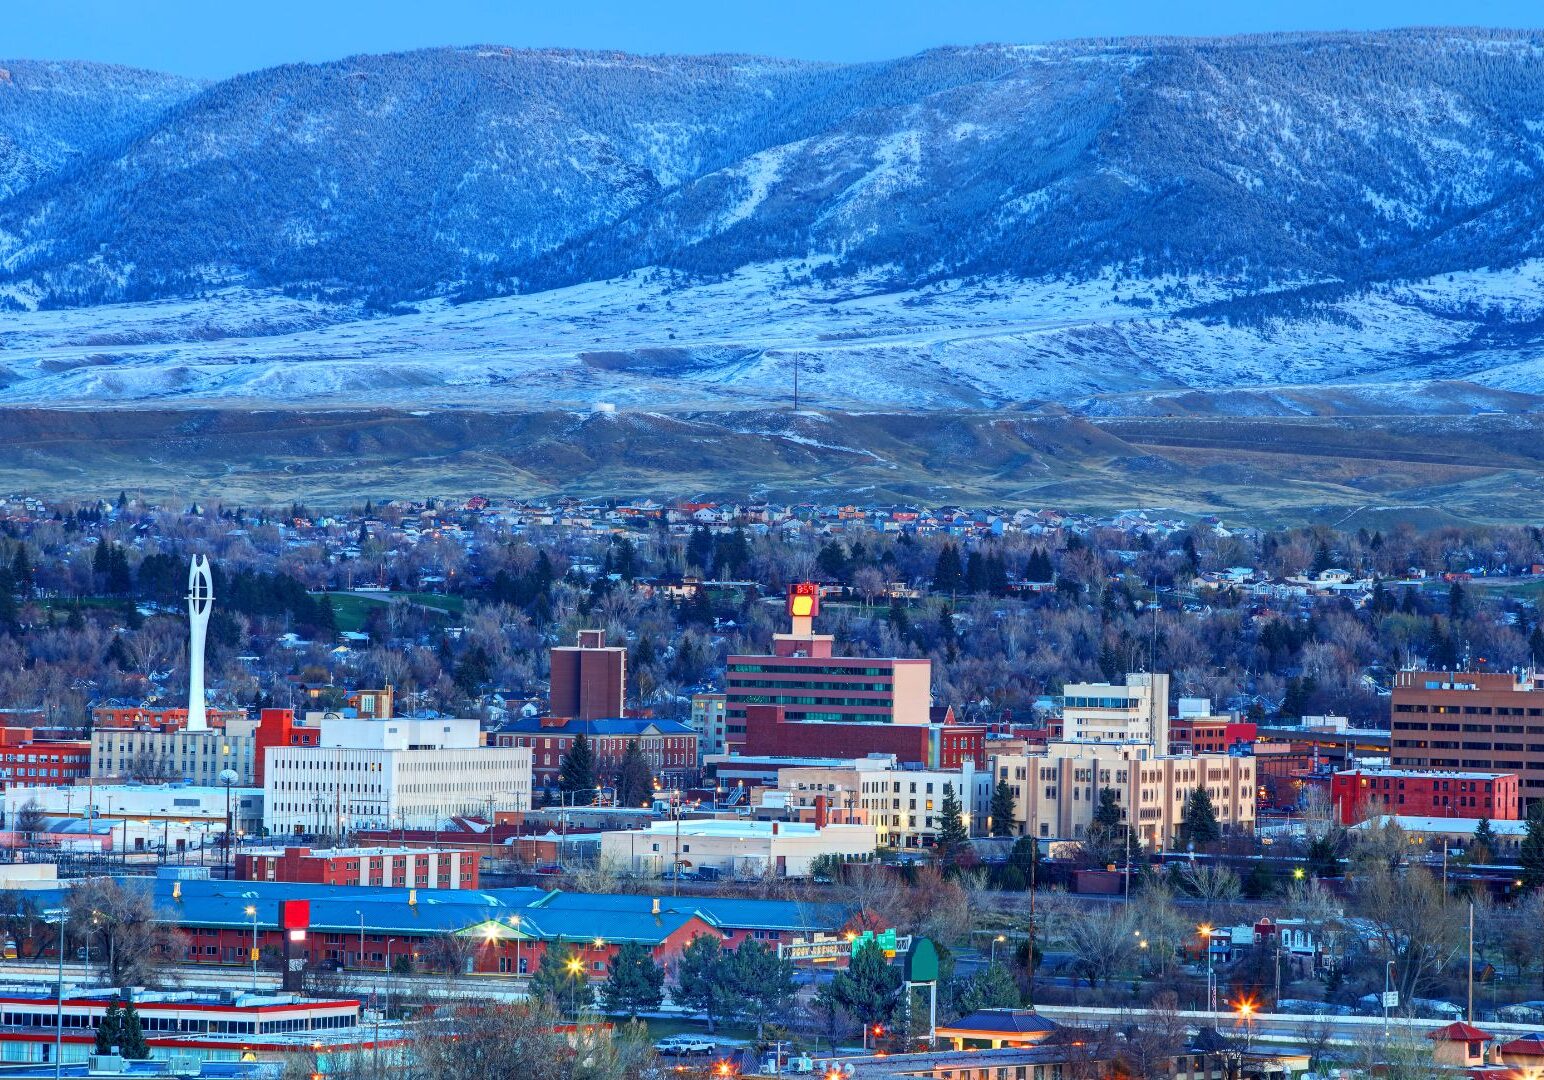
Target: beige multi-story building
(903, 803)
(159, 755)
(379, 774)
(1136, 711)
(1056, 794)
(709, 719)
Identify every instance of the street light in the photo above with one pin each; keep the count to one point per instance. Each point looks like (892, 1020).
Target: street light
(228, 779)
(252, 914)
(995, 940)
(1246, 1011)
(1206, 931)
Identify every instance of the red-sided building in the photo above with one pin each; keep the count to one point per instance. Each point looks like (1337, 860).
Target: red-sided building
(27, 762)
(141, 718)
(803, 700)
(589, 679)
(1359, 793)
(1209, 734)
(412, 868)
(769, 733)
(280, 727)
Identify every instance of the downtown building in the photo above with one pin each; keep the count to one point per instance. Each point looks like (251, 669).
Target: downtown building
(803, 699)
(397, 773)
(1484, 721)
(903, 802)
(1358, 794)
(1056, 794)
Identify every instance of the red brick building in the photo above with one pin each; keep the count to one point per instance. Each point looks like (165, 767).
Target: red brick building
(589, 680)
(26, 762)
(280, 727)
(669, 746)
(1359, 793)
(769, 733)
(1485, 720)
(142, 718)
(1209, 734)
(412, 868)
(803, 675)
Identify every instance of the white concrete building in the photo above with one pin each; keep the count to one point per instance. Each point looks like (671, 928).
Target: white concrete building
(1136, 711)
(145, 816)
(734, 848)
(901, 802)
(403, 772)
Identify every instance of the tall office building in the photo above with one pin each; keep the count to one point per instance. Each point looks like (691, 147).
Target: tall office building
(1490, 721)
(589, 680)
(813, 685)
(1136, 711)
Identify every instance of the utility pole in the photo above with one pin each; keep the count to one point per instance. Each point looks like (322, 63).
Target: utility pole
(1034, 861)
(1471, 962)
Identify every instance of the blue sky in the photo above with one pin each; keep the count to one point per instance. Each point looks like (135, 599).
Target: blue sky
(211, 38)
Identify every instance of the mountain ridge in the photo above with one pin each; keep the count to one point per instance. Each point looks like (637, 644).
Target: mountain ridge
(968, 227)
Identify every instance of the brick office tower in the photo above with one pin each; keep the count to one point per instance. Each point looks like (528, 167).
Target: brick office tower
(589, 680)
(1489, 721)
(802, 699)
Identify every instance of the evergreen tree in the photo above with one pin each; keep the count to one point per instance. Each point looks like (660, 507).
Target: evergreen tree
(576, 772)
(132, 1045)
(1025, 855)
(1039, 567)
(21, 572)
(635, 780)
(118, 654)
(1199, 825)
(953, 833)
(699, 549)
(991, 987)
(1004, 821)
(636, 983)
(109, 1033)
(1531, 854)
(948, 574)
(1536, 642)
(1483, 844)
(763, 983)
(561, 981)
(870, 988)
(1108, 834)
(703, 982)
(326, 618)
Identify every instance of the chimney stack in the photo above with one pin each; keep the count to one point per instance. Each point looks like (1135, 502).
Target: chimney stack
(822, 812)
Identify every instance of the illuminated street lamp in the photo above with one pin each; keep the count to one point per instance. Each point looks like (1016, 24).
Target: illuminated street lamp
(252, 914)
(1206, 931)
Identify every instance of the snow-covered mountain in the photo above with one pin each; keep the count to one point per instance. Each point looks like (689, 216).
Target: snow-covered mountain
(58, 114)
(976, 227)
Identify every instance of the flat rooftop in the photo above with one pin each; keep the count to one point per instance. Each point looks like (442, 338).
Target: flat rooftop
(1422, 774)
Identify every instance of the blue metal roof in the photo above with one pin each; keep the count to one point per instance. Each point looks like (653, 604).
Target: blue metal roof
(544, 914)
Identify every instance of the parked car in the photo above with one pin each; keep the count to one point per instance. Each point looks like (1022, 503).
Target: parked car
(685, 1045)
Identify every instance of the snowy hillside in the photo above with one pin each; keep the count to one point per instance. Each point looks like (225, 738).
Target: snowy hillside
(1101, 225)
(56, 114)
(1103, 347)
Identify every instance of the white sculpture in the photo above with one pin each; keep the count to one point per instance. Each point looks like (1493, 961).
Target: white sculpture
(200, 601)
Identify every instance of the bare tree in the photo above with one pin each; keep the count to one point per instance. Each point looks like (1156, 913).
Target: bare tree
(1411, 920)
(121, 922)
(529, 1041)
